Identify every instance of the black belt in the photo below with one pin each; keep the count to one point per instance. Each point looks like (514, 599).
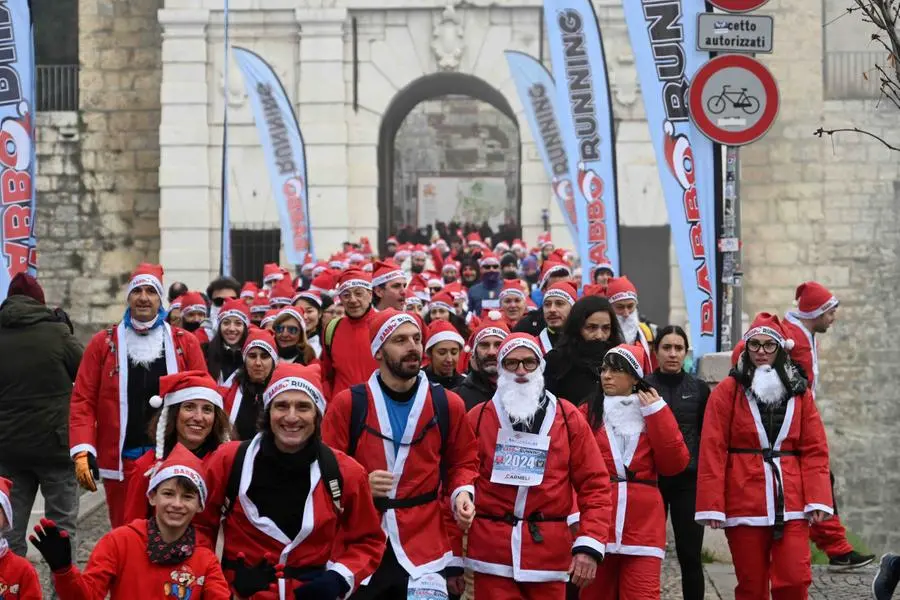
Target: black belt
(299, 573)
(769, 455)
(631, 477)
(383, 504)
(533, 519)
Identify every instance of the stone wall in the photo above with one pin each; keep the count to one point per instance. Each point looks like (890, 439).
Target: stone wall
(828, 210)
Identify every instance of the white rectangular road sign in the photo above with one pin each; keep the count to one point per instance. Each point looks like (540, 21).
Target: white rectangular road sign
(717, 32)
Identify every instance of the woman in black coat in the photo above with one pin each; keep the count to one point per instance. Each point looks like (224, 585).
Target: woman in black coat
(573, 366)
(686, 396)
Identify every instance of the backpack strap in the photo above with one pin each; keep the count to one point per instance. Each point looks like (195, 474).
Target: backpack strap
(359, 410)
(331, 476)
(234, 478)
(442, 413)
(329, 332)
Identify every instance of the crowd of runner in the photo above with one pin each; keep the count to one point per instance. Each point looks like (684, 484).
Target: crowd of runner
(376, 427)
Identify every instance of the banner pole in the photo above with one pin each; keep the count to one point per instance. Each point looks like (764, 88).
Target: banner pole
(225, 253)
(730, 246)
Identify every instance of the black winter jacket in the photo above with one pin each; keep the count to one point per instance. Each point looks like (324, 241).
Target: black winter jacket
(532, 323)
(686, 396)
(576, 381)
(475, 389)
(39, 359)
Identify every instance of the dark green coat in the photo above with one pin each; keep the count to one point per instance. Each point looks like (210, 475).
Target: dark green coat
(39, 358)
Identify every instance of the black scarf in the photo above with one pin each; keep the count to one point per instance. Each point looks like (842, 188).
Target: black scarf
(163, 553)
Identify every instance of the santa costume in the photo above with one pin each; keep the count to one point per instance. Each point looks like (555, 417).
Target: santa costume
(520, 545)
(18, 579)
(412, 512)
(638, 444)
(565, 291)
(634, 331)
(763, 469)
(119, 373)
(243, 398)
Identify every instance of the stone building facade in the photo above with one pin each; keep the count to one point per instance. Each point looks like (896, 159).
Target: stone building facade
(135, 175)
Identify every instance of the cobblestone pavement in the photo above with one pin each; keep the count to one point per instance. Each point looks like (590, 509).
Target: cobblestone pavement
(719, 577)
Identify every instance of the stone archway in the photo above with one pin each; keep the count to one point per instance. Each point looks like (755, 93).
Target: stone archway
(423, 89)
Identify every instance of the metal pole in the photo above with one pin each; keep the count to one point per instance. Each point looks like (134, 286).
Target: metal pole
(730, 246)
(225, 259)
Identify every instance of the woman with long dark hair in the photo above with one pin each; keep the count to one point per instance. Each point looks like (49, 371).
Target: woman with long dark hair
(573, 366)
(686, 396)
(312, 304)
(442, 307)
(243, 399)
(223, 353)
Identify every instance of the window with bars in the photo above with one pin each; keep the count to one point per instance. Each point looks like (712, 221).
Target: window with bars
(251, 248)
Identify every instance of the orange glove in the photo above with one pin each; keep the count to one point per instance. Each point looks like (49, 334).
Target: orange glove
(84, 471)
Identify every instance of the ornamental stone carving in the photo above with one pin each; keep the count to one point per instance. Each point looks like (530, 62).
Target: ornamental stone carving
(448, 40)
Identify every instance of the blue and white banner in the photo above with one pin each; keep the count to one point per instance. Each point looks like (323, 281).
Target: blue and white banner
(662, 36)
(586, 123)
(537, 92)
(17, 147)
(279, 133)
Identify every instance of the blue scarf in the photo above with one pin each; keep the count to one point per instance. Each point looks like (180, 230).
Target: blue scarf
(140, 327)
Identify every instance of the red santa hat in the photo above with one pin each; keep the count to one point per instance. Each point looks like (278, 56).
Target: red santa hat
(366, 247)
(290, 376)
(621, 288)
(602, 267)
(519, 340)
(474, 239)
(366, 266)
(385, 323)
(403, 252)
(181, 462)
(442, 331)
(456, 290)
(564, 290)
(181, 387)
(769, 324)
(262, 339)
(501, 247)
(595, 289)
(146, 274)
(545, 240)
(512, 287)
(355, 258)
(176, 304)
(354, 278)
(260, 304)
(310, 296)
(633, 355)
(442, 300)
(272, 272)
(236, 308)
(269, 317)
(320, 268)
(553, 267)
(415, 301)
(337, 261)
(386, 271)
(5, 503)
(291, 312)
(450, 265)
(192, 302)
(813, 300)
(249, 290)
(492, 326)
(308, 264)
(488, 258)
(323, 282)
(518, 244)
(392, 240)
(419, 251)
(282, 293)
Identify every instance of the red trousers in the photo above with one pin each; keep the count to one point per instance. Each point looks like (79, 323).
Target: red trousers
(830, 537)
(623, 577)
(492, 587)
(761, 561)
(115, 494)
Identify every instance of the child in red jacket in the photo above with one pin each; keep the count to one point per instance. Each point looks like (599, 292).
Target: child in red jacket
(18, 579)
(149, 558)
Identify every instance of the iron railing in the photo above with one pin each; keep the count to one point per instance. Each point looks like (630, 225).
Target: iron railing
(57, 88)
(252, 246)
(852, 75)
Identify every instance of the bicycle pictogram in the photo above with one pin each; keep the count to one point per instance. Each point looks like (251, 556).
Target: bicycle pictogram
(737, 99)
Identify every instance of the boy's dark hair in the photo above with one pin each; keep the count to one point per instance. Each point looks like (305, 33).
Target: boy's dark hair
(223, 283)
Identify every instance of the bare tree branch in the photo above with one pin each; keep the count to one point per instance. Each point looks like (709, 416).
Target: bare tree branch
(830, 132)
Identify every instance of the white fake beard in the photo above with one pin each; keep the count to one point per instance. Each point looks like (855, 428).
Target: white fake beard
(767, 386)
(144, 349)
(520, 400)
(629, 326)
(623, 415)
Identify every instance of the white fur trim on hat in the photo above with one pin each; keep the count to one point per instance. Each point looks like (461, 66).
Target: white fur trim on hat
(444, 336)
(273, 277)
(306, 295)
(200, 308)
(490, 260)
(294, 314)
(232, 314)
(553, 270)
(193, 393)
(415, 300)
(7, 508)
(567, 297)
(512, 292)
(388, 277)
(448, 266)
(262, 345)
(815, 314)
(354, 283)
(266, 320)
(294, 383)
(178, 471)
(631, 358)
(511, 345)
(439, 304)
(259, 308)
(388, 329)
(280, 301)
(145, 279)
(628, 295)
(489, 332)
(772, 333)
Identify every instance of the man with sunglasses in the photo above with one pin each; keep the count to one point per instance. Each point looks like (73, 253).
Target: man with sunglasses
(219, 291)
(485, 295)
(537, 457)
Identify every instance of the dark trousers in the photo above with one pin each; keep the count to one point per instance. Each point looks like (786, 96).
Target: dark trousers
(680, 498)
(389, 581)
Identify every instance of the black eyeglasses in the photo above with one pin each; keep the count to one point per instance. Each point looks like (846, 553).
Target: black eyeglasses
(512, 364)
(770, 347)
(289, 329)
(490, 268)
(220, 301)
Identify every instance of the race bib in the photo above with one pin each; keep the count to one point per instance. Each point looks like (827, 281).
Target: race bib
(520, 458)
(490, 304)
(430, 586)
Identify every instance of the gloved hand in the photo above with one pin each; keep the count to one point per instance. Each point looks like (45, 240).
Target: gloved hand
(250, 580)
(86, 471)
(53, 544)
(327, 586)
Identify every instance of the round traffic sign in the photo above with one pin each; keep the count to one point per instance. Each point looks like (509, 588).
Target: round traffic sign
(733, 99)
(737, 6)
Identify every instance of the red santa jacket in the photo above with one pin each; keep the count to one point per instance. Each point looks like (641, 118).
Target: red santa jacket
(206, 523)
(18, 579)
(349, 362)
(351, 545)
(740, 488)
(98, 410)
(805, 351)
(638, 523)
(574, 464)
(119, 565)
(418, 534)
